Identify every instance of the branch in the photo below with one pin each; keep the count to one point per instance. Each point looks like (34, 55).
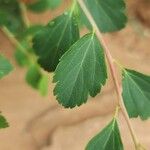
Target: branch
(24, 13)
(17, 44)
(113, 73)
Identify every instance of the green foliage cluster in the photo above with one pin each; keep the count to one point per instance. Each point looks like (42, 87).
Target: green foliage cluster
(78, 63)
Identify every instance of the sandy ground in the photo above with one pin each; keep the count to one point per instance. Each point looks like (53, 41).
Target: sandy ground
(38, 123)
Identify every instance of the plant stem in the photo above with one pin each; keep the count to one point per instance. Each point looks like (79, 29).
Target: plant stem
(113, 73)
(24, 14)
(31, 56)
(116, 112)
(13, 40)
(17, 44)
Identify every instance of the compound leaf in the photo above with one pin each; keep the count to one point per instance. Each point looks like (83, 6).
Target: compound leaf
(136, 93)
(54, 40)
(108, 138)
(5, 66)
(3, 122)
(42, 5)
(81, 71)
(109, 15)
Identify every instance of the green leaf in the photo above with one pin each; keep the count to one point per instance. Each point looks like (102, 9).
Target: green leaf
(33, 76)
(37, 80)
(81, 71)
(42, 5)
(22, 56)
(3, 122)
(108, 138)
(136, 93)
(10, 15)
(54, 40)
(43, 85)
(31, 31)
(108, 14)
(5, 66)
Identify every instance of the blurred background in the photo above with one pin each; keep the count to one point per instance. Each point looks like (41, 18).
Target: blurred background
(39, 123)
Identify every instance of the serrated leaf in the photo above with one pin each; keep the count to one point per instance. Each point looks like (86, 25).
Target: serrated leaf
(42, 5)
(5, 66)
(108, 139)
(81, 72)
(33, 76)
(109, 15)
(136, 93)
(3, 122)
(10, 15)
(55, 39)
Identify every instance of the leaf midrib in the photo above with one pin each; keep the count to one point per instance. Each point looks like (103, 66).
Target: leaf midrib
(61, 36)
(112, 129)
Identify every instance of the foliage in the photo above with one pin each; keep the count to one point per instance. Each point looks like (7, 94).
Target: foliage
(108, 15)
(78, 64)
(108, 138)
(42, 5)
(5, 66)
(3, 122)
(136, 93)
(50, 46)
(37, 80)
(33, 76)
(81, 70)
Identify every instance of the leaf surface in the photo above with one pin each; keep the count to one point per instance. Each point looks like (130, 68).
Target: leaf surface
(42, 5)
(81, 72)
(108, 138)
(22, 56)
(109, 15)
(37, 80)
(33, 76)
(3, 122)
(43, 85)
(136, 93)
(30, 31)
(5, 66)
(54, 40)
